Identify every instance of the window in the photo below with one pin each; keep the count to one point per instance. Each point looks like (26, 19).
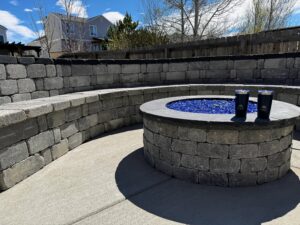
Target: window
(1, 39)
(70, 28)
(93, 30)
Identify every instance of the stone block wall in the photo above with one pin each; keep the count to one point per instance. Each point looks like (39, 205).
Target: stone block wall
(36, 132)
(217, 155)
(22, 79)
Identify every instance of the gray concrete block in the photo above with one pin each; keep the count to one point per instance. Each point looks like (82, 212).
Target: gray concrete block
(8, 87)
(225, 165)
(26, 85)
(73, 113)
(269, 148)
(46, 154)
(21, 97)
(63, 70)
(36, 71)
(13, 155)
(185, 147)
(212, 151)
(16, 71)
(39, 94)
(56, 119)
(53, 83)
(222, 137)
(20, 171)
(275, 63)
(57, 135)
(51, 70)
(131, 68)
(82, 70)
(2, 72)
(5, 100)
(192, 134)
(243, 151)
(8, 117)
(268, 175)
(60, 149)
(253, 165)
(75, 140)
(40, 142)
(238, 179)
(79, 81)
(68, 130)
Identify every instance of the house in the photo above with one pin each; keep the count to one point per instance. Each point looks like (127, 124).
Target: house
(3, 36)
(65, 34)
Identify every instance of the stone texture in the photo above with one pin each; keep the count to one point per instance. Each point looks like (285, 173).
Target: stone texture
(40, 142)
(46, 154)
(68, 130)
(185, 147)
(60, 149)
(212, 150)
(36, 71)
(269, 148)
(13, 155)
(221, 137)
(53, 83)
(192, 134)
(8, 87)
(238, 179)
(2, 72)
(16, 71)
(253, 165)
(224, 165)
(243, 151)
(21, 97)
(50, 70)
(20, 171)
(79, 81)
(56, 119)
(87, 122)
(75, 140)
(26, 85)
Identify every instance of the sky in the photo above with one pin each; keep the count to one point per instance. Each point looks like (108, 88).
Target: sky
(16, 15)
(22, 20)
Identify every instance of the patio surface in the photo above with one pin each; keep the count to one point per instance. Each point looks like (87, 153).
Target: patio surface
(107, 181)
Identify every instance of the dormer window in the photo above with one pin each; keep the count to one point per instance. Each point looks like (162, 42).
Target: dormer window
(93, 30)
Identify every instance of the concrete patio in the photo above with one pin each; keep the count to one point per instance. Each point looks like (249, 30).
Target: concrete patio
(107, 181)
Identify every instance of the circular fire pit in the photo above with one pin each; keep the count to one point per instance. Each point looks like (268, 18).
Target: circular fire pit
(198, 138)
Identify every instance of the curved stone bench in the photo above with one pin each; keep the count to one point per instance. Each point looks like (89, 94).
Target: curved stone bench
(34, 133)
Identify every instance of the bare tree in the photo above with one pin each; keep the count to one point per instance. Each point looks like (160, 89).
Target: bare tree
(74, 20)
(267, 15)
(196, 18)
(39, 24)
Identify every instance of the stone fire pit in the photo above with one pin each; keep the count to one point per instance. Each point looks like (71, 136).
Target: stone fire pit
(218, 149)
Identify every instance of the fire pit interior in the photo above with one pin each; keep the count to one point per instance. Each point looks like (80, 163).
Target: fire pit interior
(198, 138)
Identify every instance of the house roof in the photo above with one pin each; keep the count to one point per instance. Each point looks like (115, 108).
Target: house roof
(79, 19)
(3, 27)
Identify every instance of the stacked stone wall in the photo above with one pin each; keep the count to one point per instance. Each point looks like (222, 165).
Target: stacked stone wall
(36, 132)
(23, 79)
(223, 156)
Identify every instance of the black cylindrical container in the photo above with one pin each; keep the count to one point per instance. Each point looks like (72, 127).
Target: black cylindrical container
(264, 104)
(241, 103)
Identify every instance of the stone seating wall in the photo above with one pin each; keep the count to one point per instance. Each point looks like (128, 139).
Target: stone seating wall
(23, 79)
(34, 133)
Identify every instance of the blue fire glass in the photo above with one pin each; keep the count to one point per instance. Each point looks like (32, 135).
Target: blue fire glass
(209, 106)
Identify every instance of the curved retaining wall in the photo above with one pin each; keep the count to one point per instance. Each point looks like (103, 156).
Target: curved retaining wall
(34, 133)
(23, 79)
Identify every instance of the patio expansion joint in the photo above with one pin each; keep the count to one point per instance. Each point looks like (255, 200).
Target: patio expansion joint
(118, 201)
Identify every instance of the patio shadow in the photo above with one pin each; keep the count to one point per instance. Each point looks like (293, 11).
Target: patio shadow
(206, 205)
